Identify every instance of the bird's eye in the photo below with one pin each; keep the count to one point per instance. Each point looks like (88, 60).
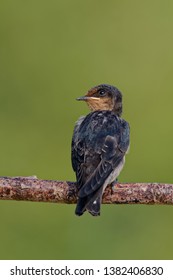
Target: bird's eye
(102, 92)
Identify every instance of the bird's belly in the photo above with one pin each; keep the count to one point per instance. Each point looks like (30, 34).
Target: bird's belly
(114, 174)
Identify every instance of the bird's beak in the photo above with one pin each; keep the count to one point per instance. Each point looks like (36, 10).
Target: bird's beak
(85, 98)
(82, 98)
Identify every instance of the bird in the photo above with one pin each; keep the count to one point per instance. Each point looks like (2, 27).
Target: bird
(100, 142)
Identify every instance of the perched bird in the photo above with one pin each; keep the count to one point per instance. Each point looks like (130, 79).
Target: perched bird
(99, 144)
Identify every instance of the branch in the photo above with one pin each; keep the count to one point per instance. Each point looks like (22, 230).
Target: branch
(33, 189)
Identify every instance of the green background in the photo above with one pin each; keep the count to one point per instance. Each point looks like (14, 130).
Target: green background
(50, 53)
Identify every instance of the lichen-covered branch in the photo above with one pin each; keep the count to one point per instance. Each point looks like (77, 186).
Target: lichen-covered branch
(33, 189)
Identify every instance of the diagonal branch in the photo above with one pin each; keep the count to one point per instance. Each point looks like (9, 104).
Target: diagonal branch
(33, 189)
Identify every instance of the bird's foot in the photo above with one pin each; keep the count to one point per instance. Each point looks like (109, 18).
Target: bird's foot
(113, 184)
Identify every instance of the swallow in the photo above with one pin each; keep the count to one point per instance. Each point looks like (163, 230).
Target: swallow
(99, 144)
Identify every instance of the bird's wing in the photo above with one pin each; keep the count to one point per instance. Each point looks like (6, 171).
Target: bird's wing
(77, 150)
(113, 151)
(78, 154)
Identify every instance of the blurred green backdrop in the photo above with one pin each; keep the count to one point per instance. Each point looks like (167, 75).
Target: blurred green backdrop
(50, 53)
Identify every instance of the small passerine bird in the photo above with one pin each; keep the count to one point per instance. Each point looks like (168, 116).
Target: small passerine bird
(99, 144)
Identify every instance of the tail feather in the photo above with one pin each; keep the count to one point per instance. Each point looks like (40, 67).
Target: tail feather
(93, 207)
(90, 203)
(81, 206)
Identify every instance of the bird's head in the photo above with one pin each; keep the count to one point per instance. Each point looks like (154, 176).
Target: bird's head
(104, 97)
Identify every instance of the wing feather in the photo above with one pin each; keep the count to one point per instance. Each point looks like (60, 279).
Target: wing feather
(100, 142)
(111, 158)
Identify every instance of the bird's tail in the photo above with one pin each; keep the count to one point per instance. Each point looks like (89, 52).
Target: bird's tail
(90, 203)
(81, 206)
(93, 207)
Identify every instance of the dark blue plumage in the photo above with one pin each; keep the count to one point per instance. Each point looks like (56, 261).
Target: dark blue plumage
(100, 142)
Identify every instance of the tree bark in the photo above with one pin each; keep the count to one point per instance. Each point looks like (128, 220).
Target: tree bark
(33, 189)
